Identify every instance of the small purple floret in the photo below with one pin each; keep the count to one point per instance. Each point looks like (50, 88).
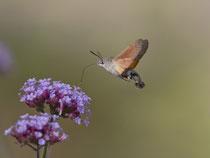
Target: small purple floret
(38, 130)
(63, 100)
(41, 142)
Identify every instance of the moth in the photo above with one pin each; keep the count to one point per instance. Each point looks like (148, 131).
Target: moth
(123, 64)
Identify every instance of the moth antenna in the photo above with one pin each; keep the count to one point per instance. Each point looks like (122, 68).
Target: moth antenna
(83, 72)
(95, 54)
(98, 55)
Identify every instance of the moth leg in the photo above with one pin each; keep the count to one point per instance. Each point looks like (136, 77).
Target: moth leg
(133, 75)
(125, 79)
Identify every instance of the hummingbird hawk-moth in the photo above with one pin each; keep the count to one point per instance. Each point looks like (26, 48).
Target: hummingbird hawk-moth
(123, 64)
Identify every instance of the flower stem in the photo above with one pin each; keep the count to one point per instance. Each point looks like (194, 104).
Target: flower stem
(31, 147)
(37, 151)
(44, 154)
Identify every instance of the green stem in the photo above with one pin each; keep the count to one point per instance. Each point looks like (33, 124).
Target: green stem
(44, 154)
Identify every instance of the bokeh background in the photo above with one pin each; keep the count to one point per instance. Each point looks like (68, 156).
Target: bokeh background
(169, 118)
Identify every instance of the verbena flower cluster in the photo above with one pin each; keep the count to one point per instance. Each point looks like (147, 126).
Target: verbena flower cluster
(35, 129)
(62, 99)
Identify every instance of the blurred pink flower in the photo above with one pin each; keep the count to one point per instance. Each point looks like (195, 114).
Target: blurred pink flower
(5, 58)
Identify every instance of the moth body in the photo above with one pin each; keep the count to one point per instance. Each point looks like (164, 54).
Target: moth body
(109, 65)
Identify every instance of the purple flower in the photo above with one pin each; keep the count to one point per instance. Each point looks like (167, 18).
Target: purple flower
(5, 58)
(63, 100)
(38, 130)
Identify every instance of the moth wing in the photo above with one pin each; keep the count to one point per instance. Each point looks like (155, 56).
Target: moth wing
(122, 64)
(130, 57)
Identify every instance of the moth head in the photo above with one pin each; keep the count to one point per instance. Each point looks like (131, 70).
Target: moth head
(101, 61)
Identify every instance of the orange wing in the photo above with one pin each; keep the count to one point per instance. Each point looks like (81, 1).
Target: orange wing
(130, 57)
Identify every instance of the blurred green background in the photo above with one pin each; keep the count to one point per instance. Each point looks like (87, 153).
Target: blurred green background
(169, 118)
